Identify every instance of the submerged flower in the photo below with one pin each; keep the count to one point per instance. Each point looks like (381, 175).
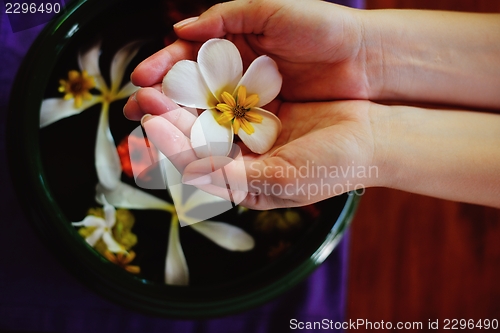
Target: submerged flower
(121, 230)
(232, 100)
(101, 228)
(77, 98)
(223, 234)
(79, 84)
(77, 87)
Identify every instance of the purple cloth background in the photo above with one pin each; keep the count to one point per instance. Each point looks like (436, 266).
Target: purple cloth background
(38, 294)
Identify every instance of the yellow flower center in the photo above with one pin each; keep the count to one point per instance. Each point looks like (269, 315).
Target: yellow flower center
(77, 86)
(238, 110)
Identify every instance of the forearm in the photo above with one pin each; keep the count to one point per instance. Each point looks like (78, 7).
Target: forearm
(432, 56)
(453, 155)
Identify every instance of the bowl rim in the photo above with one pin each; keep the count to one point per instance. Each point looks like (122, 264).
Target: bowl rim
(41, 207)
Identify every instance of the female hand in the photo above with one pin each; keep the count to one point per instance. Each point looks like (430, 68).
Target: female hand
(316, 45)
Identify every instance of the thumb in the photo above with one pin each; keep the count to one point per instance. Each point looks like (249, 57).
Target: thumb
(234, 17)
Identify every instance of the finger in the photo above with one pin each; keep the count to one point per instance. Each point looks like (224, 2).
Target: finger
(234, 17)
(170, 140)
(153, 102)
(132, 110)
(152, 70)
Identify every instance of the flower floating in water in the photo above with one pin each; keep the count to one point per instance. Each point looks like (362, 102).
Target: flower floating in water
(121, 230)
(79, 84)
(77, 98)
(232, 100)
(223, 234)
(101, 228)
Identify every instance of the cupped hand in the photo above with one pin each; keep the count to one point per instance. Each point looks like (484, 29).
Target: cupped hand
(317, 45)
(324, 149)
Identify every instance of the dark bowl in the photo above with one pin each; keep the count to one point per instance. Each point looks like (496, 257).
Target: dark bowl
(53, 171)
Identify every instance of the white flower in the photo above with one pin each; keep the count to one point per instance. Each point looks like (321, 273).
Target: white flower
(103, 227)
(54, 109)
(78, 97)
(223, 234)
(232, 100)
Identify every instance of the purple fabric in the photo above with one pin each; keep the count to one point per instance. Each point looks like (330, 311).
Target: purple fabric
(38, 294)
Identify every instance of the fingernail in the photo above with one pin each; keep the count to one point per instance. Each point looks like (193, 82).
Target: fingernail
(185, 22)
(145, 118)
(196, 179)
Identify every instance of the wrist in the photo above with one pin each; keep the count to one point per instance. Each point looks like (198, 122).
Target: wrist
(431, 57)
(448, 154)
(370, 55)
(391, 54)
(388, 128)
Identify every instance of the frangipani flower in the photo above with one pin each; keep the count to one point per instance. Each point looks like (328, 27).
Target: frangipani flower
(223, 234)
(79, 84)
(103, 227)
(78, 97)
(232, 100)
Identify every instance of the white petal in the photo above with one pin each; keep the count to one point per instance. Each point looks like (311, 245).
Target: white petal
(187, 220)
(176, 270)
(126, 196)
(109, 213)
(201, 206)
(94, 237)
(199, 198)
(220, 64)
(208, 138)
(225, 235)
(54, 109)
(89, 61)
(173, 175)
(107, 160)
(265, 134)
(91, 221)
(185, 85)
(174, 182)
(262, 78)
(126, 91)
(111, 243)
(120, 62)
(196, 198)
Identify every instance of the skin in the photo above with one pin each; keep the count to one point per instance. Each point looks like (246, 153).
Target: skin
(335, 63)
